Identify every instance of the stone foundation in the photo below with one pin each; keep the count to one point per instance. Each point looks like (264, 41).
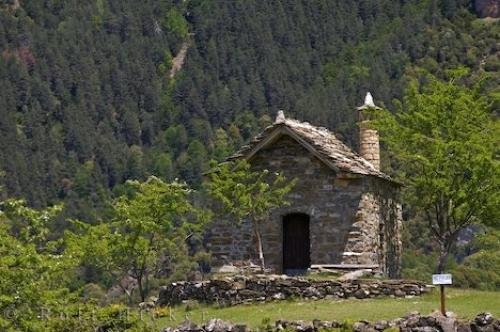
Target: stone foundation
(243, 289)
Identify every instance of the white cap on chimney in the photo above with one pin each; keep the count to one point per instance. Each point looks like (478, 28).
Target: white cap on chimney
(368, 102)
(280, 117)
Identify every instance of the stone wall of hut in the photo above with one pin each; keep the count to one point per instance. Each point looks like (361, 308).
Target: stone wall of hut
(348, 218)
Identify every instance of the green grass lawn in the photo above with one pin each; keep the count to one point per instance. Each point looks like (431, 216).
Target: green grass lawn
(464, 302)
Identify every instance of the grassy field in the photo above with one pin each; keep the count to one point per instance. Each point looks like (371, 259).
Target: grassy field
(465, 303)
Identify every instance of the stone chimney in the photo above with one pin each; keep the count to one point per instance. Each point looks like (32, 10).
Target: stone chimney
(369, 146)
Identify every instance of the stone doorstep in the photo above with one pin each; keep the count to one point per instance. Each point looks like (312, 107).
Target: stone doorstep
(231, 269)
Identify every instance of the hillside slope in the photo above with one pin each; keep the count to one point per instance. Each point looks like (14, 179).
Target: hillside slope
(86, 101)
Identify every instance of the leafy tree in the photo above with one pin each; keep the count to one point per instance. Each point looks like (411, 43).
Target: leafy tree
(84, 317)
(176, 138)
(222, 147)
(163, 165)
(148, 236)
(175, 22)
(248, 194)
(444, 139)
(33, 272)
(30, 225)
(90, 245)
(194, 167)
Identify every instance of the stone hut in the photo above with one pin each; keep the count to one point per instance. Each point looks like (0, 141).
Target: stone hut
(344, 212)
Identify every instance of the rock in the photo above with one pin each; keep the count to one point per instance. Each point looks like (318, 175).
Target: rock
(251, 294)
(281, 324)
(299, 325)
(411, 321)
(302, 326)
(169, 329)
(335, 324)
(284, 282)
(361, 293)
(240, 328)
(381, 325)
(312, 292)
(195, 276)
(429, 321)
(240, 284)
(321, 324)
(485, 322)
(483, 319)
(451, 314)
(221, 284)
(463, 327)
(355, 274)
(301, 283)
(256, 284)
(278, 296)
(399, 293)
(425, 329)
(218, 325)
(363, 327)
(412, 313)
(396, 322)
(189, 326)
(228, 269)
(496, 325)
(447, 324)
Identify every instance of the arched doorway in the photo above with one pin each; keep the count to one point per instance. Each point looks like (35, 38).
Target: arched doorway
(296, 243)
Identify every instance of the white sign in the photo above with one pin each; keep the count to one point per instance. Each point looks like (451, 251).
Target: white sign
(441, 279)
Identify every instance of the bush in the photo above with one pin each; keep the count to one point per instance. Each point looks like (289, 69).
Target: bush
(418, 266)
(481, 270)
(92, 318)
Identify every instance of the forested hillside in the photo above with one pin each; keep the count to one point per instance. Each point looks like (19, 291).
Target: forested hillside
(95, 93)
(86, 101)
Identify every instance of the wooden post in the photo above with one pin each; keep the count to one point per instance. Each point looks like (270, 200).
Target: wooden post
(441, 280)
(443, 310)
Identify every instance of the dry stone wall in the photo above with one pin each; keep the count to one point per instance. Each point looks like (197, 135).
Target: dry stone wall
(413, 322)
(242, 289)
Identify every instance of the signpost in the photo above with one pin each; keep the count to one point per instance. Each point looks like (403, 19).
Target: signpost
(441, 280)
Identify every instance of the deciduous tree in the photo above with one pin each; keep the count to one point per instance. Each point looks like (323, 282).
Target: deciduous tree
(147, 236)
(248, 194)
(444, 138)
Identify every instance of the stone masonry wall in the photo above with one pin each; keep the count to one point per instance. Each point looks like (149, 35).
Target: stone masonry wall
(344, 214)
(369, 146)
(363, 245)
(242, 289)
(376, 234)
(391, 219)
(413, 322)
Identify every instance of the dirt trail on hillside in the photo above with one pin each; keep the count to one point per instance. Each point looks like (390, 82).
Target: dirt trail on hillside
(180, 58)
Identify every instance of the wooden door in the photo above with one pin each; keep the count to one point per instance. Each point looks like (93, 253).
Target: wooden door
(296, 243)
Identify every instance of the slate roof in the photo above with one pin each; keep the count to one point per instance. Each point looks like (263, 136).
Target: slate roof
(337, 155)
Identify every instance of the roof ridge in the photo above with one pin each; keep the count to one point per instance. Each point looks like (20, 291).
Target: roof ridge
(323, 140)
